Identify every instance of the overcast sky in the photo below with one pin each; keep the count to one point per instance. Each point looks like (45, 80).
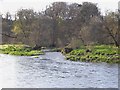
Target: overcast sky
(13, 5)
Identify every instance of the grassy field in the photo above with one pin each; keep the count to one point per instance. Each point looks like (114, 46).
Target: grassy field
(19, 50)
(98, 53)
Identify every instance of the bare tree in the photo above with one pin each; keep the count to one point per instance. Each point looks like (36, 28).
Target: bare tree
(110, 24)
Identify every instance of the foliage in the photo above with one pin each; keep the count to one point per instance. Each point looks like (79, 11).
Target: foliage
(59, 25)
(99, 53)
(20, 50)
(62, 24)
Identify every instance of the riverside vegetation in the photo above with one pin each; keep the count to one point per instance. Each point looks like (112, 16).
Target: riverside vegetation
(98, 53)
(19, 50)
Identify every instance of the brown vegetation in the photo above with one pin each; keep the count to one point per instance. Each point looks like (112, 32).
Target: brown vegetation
(60, 25)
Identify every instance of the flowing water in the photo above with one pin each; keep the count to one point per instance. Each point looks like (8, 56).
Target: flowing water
(53, 71)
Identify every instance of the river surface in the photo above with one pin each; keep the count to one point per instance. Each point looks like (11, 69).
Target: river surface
(53, 71)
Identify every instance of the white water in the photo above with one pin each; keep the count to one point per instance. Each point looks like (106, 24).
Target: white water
(53, 71)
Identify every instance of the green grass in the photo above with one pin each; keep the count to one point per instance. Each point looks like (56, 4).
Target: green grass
(19, 50)
(99, 53)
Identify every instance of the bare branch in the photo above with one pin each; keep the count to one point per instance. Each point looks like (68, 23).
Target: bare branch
(8, 35)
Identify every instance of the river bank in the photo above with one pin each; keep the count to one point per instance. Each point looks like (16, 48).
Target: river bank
(19, 50)
(96, 53)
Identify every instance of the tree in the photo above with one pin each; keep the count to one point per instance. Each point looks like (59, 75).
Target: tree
(6, 33)
(81, 15)
(22, 26)
(110, 24)
(57, 13)
(62, 24)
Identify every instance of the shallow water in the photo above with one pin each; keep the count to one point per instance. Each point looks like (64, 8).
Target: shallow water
(53, 71)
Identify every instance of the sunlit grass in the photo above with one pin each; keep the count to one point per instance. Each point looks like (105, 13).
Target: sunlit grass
(20, 50)
(99, 53)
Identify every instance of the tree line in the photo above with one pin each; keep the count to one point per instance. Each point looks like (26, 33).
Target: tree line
(62, 24)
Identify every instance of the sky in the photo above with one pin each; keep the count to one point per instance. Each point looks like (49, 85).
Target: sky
(38, 5)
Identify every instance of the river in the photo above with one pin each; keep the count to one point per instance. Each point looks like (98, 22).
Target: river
(53, 71)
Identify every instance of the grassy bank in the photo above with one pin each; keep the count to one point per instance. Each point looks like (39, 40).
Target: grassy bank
(99, 53)
(19, 50)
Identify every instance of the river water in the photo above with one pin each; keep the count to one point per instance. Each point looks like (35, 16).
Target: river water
(53, 71)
